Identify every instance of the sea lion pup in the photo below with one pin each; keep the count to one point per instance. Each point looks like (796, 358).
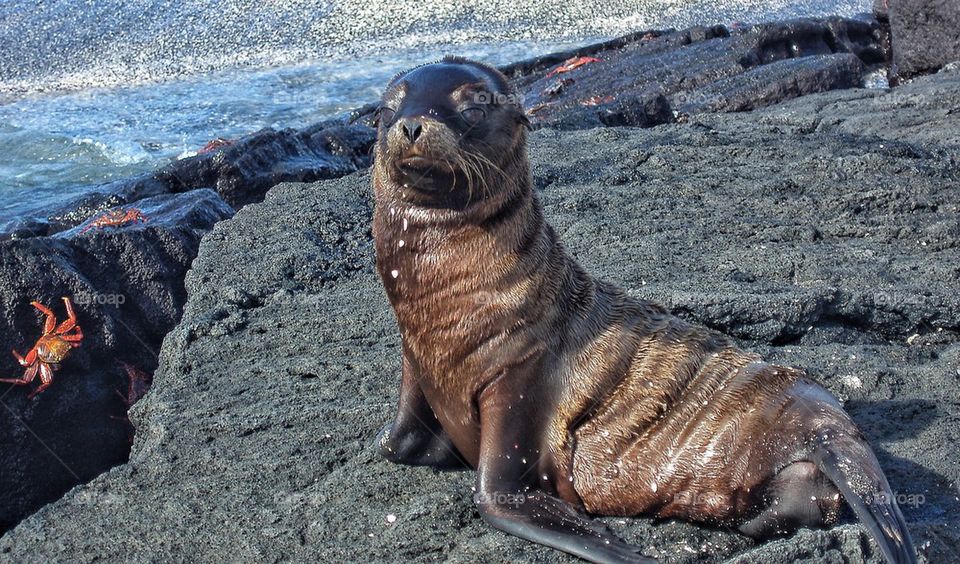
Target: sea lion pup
(566, 395)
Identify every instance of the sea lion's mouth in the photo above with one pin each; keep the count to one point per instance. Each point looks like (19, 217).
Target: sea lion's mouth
(423, 173)
(419, 164)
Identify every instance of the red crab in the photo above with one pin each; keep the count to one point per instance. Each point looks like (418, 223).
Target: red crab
(215, 145)
(533, 110)
(51, 348)
(572, 63)
(138, 384)
(116, 218)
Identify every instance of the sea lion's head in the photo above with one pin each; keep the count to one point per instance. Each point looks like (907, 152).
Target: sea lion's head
(450, 134)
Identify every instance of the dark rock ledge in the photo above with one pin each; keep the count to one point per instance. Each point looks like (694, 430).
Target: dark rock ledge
(822, 232)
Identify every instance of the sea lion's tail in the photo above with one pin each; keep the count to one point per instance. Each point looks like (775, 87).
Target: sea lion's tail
(851, 465)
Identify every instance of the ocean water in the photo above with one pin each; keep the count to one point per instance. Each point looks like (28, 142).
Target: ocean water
(95, 90)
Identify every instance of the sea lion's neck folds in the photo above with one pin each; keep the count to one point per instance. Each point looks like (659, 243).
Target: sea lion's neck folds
(460, 280)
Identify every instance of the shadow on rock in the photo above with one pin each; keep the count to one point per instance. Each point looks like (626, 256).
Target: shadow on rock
(127, 287)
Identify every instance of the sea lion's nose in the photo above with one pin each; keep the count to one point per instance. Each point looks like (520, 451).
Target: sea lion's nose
(411, 127)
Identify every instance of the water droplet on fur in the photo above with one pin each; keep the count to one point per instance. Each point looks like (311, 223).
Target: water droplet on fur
(653, 487)
(391, 518)
(400, 243)
(404, 224)
(394, 273)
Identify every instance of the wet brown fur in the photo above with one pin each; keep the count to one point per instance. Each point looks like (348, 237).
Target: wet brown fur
(641, 413)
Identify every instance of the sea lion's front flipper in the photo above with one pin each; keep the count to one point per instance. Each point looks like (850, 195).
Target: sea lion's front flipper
(509, 454)
(415, 437)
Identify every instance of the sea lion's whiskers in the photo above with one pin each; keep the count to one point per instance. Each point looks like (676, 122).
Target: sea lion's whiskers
(453, 187)
(467, 172)
(487, 159)
(472, 170)
(493, 166)
(477, 172)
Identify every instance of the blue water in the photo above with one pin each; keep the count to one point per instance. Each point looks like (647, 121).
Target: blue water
(95, 90)
(55, 147)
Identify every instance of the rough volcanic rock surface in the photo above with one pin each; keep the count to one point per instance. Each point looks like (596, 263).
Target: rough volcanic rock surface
(823, 233)
(127, 287)
(924, 35)
(703, 69)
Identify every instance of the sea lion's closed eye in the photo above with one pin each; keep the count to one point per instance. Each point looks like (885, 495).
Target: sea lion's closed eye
(385, 115)
(473, 116)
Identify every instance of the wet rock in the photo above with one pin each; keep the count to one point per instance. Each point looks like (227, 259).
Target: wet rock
(127, 287)
(925, 36)
(197, 210)
(646, 110)
(785, 226)
(241, 171)
(769, 84)
(24, 228)
(523, 73)
(706, 70)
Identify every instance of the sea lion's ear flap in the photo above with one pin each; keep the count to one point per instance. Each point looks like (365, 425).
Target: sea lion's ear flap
(525, 121)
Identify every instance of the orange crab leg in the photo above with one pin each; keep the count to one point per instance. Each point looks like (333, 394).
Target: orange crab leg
(73, 338)
(28, 376)
(71, 320)
(46, 378)
(30, 359)
(51, 321)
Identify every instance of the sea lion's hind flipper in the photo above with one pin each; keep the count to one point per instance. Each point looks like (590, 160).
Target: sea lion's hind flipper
(798, 496)
(854, 469)
(546, 520)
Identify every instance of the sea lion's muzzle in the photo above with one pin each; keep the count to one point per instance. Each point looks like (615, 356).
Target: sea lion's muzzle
(418, 150)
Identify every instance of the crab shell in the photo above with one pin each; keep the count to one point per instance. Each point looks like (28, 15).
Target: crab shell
(51, 349)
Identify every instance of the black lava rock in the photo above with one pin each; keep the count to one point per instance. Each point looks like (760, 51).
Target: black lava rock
(925, 35)
(127, 287)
